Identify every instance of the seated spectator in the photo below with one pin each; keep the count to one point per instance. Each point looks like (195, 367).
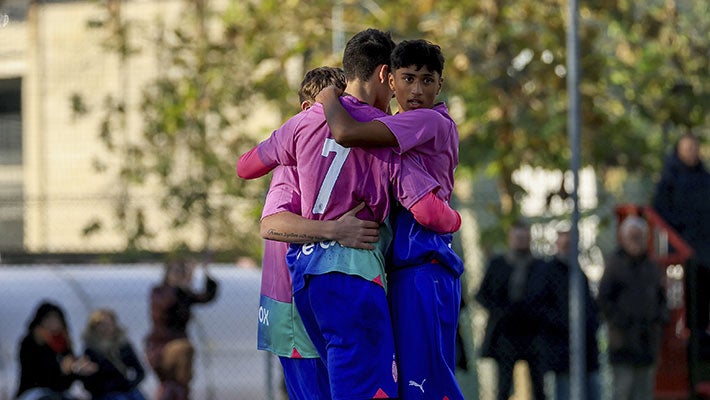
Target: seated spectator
(119, 370)
(48, 367)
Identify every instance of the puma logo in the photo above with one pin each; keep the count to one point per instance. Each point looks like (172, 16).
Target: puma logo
(419, 385)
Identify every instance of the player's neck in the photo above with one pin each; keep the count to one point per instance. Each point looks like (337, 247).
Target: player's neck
(363, 91)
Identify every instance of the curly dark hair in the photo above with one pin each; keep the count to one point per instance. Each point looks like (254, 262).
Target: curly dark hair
(419, 53)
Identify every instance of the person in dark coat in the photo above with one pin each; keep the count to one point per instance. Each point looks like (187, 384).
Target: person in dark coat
(557, 330)
(682, 198)
(633, 303)
(512, 291)
(168, 348)
(682, 194)
(119, 370)
(48, 367)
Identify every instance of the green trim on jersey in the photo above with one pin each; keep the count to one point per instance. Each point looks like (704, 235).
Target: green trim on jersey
(281, 330)
(326, 257)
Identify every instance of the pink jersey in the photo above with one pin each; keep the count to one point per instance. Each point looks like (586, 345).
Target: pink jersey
(283, 196)
(280, 329)
(431, 136)
(334, 179)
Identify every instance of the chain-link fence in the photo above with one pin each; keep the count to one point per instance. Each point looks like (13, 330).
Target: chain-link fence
(51, 194)
(227, 364)
(227, 361)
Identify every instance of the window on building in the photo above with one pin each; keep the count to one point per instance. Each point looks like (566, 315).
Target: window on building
(10, 122)
(16, 10)
(11, 193)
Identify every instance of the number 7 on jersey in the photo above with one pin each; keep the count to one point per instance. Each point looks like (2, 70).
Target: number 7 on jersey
(326, 188)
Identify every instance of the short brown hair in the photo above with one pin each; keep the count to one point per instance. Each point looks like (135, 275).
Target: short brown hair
(319, 78)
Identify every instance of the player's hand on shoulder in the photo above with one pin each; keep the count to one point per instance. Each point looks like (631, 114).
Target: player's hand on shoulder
(328, 93)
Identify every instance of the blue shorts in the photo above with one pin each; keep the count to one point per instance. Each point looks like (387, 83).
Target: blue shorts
(348, 320)
(425, 302)
(306, 378)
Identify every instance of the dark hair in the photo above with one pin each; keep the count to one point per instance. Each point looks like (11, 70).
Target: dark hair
(44, 309)
(365, 51)
(418, 53)
(317, 79)
(176, 264)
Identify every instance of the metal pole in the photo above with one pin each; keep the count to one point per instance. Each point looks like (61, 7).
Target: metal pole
(338, 31)
(576, 295)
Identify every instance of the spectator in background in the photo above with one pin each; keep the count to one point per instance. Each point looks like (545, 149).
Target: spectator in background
(682, 194)
(168, 348)
(682, 199)
(557, 330)
(512, 291)
(48, 367)
(119, 370)
(632, 301)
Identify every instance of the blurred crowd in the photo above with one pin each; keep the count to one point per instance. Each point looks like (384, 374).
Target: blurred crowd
(528, 303)
(109, 366)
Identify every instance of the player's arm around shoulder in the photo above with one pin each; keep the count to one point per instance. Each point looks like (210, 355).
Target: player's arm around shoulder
(346, 130)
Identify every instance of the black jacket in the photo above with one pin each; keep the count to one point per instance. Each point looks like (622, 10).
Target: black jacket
(518, 323)
(111, 376)
(557, 327)
(632, 300)
(682, 198)
(40, 367)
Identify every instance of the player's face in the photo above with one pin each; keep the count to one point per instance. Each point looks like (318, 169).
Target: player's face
(415, 88)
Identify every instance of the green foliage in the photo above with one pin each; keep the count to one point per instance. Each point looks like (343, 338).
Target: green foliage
(643, 82)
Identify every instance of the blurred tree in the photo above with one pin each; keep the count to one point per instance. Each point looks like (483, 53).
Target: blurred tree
(644, 76)
(644, 72)
(220, 68)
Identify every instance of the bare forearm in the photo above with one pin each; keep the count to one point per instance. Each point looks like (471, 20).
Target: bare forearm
(292, 228)
(348, 230)
(349, 132)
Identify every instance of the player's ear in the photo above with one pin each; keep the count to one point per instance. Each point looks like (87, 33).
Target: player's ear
(391, 81)
(441, 83)
(305, 105)
(384, 73)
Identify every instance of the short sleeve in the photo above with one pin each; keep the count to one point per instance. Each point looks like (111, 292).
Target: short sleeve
(284, 194)
(412, 181)
(413, 128)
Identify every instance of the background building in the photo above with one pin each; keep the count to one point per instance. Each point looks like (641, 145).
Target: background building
(50, 55)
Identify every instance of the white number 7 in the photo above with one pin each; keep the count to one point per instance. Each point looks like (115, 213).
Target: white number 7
(326, 188)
